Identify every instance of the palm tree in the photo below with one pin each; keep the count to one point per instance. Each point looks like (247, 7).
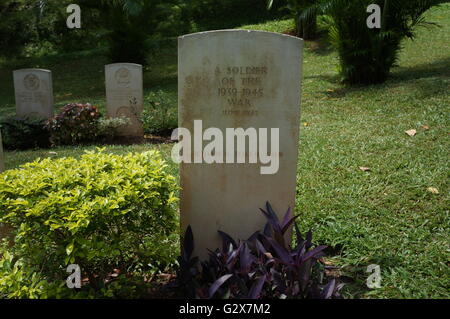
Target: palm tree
(367, 55)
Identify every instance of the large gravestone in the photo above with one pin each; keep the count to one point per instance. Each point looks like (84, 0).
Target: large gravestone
(237, 79)
(124, 95)
(34, 93)
(2, 159)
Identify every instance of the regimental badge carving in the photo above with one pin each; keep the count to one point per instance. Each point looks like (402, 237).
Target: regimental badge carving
(32, 82)
(123, 77)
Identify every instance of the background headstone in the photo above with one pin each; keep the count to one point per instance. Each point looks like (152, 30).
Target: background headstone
(232, 79)
(124, 95)
(34, 93)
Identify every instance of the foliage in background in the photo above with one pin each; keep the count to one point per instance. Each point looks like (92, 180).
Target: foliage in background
(222, 14)
(161, 115)
(304, 28)
(128, 28)
(35, 27)
(367, 55)
(109, 214)
(15, 20)
(264, 266)
(130, 23)
(24, 133)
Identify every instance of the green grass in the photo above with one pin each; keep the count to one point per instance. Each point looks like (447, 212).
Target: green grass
(385, 216)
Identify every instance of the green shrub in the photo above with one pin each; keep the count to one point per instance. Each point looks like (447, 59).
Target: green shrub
(161, 114)
(19, 282)
(24, 133)
(103, 212)
(76, 123)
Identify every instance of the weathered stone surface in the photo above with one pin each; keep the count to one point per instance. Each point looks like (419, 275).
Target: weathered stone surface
(238, 79)
(124, 95)
(34, 93)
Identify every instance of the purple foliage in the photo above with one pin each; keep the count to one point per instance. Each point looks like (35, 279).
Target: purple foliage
(263, 266)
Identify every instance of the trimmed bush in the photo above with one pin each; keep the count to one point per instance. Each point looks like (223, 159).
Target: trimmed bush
(24, 133)
(107, 213)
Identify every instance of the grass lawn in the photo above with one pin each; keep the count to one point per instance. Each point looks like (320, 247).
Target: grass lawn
(385, 216)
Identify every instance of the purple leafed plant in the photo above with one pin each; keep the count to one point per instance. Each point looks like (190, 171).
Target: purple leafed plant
(263, 266)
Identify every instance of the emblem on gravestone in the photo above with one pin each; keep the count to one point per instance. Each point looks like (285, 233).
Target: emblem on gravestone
(31, 82)
(123, 77)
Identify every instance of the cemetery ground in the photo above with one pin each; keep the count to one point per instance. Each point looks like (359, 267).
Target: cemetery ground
(375, 194)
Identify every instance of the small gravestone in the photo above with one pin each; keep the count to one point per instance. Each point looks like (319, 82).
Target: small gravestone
(2, 159)
(124, 95)
(237, 79)
(34, 93)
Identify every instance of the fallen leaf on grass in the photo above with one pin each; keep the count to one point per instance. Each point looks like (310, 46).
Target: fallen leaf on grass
(306, 124)
(411, 132)
(425, 127)
(433, 190)
(365, 169)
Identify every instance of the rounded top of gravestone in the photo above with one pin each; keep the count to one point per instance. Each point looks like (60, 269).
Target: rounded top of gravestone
(123, 64)
(240, 31)
(32, 70)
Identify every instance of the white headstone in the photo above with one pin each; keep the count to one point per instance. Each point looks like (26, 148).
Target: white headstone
(124, 95)
(238, 79)
(34, 93)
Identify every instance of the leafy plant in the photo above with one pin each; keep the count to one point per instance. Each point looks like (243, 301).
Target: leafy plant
(20, 282)
(367, 55)
(76, 123)
(103, 212)
(24, 133)
(161, 114)
(264, 266)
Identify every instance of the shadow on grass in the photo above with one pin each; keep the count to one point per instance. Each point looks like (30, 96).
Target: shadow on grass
(430, 79)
